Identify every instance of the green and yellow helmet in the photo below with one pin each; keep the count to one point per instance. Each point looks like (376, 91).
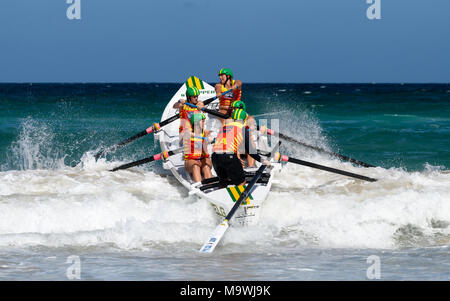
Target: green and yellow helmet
(238, 104)
(239, 114)
(192, 91)
(197, 117)
(225, 71)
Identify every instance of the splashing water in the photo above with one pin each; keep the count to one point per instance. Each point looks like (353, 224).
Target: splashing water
(35, 147)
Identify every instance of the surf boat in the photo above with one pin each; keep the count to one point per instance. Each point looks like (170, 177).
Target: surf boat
(221, 199)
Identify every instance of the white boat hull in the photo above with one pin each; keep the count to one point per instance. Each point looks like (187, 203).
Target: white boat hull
(221, 199)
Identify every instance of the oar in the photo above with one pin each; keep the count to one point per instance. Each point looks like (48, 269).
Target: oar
(283, 158)
(220, 230)
(285, 137)
(212, 112)
(153, 128)
(164, 155)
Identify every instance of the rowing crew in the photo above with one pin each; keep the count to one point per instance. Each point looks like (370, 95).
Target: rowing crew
(233, 142)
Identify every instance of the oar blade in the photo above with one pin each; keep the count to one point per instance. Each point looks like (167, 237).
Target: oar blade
(215, 238)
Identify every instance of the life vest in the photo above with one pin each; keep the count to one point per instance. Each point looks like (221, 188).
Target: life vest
(195, 148)
(226, 99)
(230, 139)
(185, 116)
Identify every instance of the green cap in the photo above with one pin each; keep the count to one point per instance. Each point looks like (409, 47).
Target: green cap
(239, 114)
(239, 104)
(192, 91)
(197, 117)
(226, 71)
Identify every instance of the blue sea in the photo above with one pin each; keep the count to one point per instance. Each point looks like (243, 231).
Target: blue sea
(64, 216)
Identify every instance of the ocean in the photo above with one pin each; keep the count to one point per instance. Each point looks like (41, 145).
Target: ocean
(64, 216)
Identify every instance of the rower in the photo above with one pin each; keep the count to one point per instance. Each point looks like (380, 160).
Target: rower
(186, 111)
(229, 141)
(251, 125)
(226, 83)
(196, 158)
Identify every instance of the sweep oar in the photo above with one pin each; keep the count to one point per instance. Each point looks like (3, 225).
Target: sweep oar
(164, 155)
(220, 230)
(151, 129)
(283, 158)
(285, 137)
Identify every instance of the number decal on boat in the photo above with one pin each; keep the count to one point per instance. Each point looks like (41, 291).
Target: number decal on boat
(219, 210)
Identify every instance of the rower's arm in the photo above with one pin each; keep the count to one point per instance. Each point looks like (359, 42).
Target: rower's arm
(237, 84)
(179, 104)
(218, 88)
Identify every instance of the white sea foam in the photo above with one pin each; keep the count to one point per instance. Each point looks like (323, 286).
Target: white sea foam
(86, 206)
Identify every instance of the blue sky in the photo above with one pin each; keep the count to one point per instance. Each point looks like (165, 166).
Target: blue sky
(261, 41)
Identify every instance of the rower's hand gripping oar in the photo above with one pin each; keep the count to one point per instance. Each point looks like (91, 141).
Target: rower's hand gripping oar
(154, 128)
(285, 137)
(164, 155)
(220, 230)
(283, 158)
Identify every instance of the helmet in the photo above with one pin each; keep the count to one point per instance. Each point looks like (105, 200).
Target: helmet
(238, 104)
(226, 71)
(192, 91)
(197, 117)
(239, 114)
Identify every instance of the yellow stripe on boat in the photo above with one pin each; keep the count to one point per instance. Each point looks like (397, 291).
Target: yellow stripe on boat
(236, 191)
